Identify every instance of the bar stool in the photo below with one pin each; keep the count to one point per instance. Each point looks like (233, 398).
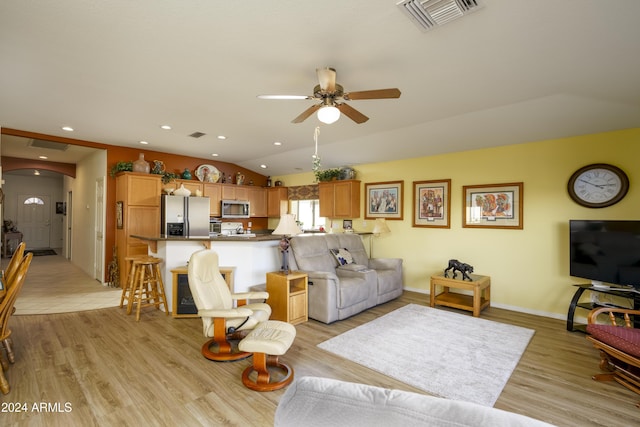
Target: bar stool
(128, 287)
(148, 287)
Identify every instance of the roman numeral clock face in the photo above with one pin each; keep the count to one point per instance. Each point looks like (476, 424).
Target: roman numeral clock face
(598, 185)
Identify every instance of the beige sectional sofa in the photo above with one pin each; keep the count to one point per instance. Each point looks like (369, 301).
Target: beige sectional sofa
(340, 289)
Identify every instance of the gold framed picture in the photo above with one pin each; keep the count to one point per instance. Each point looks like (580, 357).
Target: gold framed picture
(384, 200)
(432, 203)
(493, 206)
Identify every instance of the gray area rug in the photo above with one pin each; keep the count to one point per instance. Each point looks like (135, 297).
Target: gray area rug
(443, 353)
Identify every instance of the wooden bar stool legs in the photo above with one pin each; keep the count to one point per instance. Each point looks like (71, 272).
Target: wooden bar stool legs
(147, 286)
(127, 289)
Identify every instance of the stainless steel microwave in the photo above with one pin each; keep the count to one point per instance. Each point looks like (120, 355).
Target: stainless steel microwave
(235, 208)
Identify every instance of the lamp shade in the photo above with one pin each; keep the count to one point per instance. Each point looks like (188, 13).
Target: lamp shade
(287, 226)
(380, 226)
(328, 114)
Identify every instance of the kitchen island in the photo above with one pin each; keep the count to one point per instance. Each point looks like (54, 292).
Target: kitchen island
(252, 257)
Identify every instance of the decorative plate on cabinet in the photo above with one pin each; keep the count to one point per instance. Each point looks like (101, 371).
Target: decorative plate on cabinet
(207, 173)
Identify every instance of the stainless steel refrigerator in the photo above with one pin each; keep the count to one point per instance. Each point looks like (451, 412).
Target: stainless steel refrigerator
(184, 216)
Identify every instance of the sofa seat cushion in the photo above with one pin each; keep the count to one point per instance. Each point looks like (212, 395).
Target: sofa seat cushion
(313, 401)
(626, 340)
(354, 288)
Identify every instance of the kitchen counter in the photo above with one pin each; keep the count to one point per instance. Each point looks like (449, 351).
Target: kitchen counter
(252, 257)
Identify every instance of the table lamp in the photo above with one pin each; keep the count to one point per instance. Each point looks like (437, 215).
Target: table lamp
(286, 228)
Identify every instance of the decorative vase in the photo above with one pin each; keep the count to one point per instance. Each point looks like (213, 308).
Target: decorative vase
(158, 167)
(186, 174)
(141, 165)
(182, 191)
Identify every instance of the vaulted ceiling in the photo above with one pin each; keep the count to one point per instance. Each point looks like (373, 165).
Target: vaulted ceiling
(511, 72)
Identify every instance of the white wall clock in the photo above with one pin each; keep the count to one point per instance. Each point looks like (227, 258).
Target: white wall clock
(598, 185)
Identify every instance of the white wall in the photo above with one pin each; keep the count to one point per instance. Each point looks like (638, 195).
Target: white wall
(88, 170)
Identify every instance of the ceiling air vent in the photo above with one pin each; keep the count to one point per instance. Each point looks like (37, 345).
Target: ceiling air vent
(38, 143)
(428, 14)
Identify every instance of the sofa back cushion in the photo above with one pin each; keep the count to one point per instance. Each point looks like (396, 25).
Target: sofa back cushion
(352, 243)
(312, 254)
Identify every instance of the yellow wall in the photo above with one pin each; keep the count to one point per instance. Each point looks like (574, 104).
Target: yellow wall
(529, 268)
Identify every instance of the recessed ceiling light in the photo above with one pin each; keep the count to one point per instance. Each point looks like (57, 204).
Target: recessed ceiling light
(43, 157)
(263, 166)
(165, 127)
(67, 128)
(214, 154)
(277, 143)
(222, 137)
(144, 142)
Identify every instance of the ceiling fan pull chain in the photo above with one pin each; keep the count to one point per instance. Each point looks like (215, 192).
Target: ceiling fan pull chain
(316, 157)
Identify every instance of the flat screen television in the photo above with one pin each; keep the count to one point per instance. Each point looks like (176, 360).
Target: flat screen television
(605, 252)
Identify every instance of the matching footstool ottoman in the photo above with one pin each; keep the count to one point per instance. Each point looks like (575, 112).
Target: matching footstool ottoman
(267, 341)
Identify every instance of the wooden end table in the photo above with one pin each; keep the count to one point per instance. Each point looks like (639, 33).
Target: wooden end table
(288, 296)
(480, 286)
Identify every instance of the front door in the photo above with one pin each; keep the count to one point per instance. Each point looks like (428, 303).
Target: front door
(34, 213)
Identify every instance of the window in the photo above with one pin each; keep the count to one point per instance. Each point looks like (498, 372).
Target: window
(34, 201)
(307, 213)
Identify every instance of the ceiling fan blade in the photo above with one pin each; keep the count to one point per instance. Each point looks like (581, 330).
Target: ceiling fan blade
(285, 97)
(306, 113)
(327, 79)
(352, 113)
(373, 94)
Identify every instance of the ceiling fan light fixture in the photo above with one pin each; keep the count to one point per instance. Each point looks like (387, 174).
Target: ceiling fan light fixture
(328, 114)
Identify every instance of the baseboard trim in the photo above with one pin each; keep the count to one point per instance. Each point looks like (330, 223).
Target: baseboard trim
(506, 307)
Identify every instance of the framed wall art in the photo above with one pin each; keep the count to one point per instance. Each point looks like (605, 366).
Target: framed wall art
(119, 215)
(432, 203)
(384, 200)
(493, 206)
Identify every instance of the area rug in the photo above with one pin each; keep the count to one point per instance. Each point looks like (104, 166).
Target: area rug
(41, 252)
(443, 353)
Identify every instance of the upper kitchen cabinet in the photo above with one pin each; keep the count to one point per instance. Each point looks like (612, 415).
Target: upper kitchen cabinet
(257, 202)
(277, 201)
(214, 193)
(339, 199)
(190, 185)
(234, 192)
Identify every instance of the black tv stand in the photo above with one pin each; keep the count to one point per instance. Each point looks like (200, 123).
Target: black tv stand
(632, 296)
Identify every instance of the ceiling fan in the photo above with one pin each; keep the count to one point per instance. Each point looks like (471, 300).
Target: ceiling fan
(332, 96)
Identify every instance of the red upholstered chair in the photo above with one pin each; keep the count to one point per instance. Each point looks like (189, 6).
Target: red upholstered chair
(619, 347)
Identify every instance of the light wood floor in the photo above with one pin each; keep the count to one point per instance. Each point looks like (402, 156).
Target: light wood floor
(55, 285)
(111, 370)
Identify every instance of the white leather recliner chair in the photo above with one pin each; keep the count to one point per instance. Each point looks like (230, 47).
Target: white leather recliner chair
(224, 318)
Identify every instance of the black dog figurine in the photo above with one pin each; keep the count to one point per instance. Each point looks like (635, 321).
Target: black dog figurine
(463, 268)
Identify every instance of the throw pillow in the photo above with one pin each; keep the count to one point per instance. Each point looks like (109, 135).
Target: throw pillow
(342, 255)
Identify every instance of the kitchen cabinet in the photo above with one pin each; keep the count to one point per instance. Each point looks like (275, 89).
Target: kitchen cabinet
(190, 185)
(214, 193)
(234, 192)
(339, 199)
(277, 201)
(138, 212)
(257, 202)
